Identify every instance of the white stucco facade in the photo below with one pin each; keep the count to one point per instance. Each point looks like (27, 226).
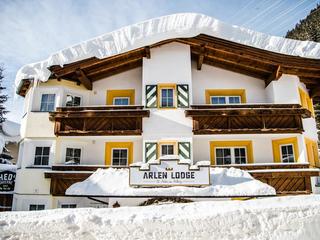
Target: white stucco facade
(169, 64)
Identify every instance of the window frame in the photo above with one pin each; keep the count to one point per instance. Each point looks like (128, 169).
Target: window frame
(67, 205)
(73, 96)
(280, 150)
(74, 148)
(35, 156)
(227, 99)
(115, 98)
(37, 207)
(232, 154)
(167, 144)
(173, 97)
(119, 148)
(47, 102)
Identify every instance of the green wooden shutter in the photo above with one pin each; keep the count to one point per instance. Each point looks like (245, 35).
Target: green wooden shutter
(183, 95)
(151, 96)
(184, 150)
(150, 151)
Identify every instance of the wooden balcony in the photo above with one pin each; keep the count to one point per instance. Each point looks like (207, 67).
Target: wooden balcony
(286, 178)
(98, 120)
(247, 118)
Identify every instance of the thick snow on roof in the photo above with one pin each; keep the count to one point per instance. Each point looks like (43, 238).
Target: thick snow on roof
(291, 218)
(10, 131)
(162, 28)
(224, 182)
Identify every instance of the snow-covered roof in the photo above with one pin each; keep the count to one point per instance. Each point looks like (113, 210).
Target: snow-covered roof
(162, 28)
(10, 131)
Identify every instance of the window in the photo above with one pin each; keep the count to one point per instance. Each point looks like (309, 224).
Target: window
(167, 97)
(167, 149)
(47, 102)
(121, 101)
(119, 156)
(73, 101)
(234, 155)
(73, 155)
(36, 207)
(225, 99)
(42, 156)
(68, 205)
(287, 154)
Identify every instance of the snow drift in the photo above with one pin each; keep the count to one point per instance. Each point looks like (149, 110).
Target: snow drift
(273, 218)
(162, 28)
(224, 182)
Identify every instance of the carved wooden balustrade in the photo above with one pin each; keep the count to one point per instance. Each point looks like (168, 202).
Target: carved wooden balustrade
(98, 120)
(247, 118)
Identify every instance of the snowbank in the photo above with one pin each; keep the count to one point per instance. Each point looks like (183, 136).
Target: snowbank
(162, 28)
(273, 218)
(224, 182)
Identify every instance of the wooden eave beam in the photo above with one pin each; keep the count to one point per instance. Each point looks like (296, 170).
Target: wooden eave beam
(84, 79)
(201, 57)
(256, 53)
(275, 75)
(230, 66)
(147, 52)
(113, 67)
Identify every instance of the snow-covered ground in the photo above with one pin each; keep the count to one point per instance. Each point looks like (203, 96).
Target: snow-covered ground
(224, 182)
(291, 218)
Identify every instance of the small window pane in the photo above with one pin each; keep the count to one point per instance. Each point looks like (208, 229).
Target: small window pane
(287, 154)
(73, 155)
(121, 101)
(234, 99)
(47, 102)
(38, 150)
(73, 101)
(167, 97)
(46, 150)
(119, 157)
(167, 150)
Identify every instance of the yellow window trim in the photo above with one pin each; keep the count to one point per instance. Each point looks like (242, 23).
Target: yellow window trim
(276, 148)
(174, 143)
(306, 101)
(111, 145)
(226, 92)
(218, 144)
(312, 152)
(165, 86)
(111, 94)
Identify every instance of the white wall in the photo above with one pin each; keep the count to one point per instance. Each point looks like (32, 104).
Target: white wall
(93, 148)
(170, 63)
(284, 90)
(210, 77)
(261, 144)
(131, 79)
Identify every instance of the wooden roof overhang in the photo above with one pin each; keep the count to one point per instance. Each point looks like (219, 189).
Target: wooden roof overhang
(251, 61)
(246, 118)
(98, 120)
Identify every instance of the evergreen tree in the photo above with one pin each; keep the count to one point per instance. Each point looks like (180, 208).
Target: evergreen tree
(309, 29)
(3, 97)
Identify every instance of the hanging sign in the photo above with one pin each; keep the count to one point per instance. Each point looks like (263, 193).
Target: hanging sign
(7, 180)
(168, 172)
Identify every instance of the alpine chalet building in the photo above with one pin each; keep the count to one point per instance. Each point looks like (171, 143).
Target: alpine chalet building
(183, 84)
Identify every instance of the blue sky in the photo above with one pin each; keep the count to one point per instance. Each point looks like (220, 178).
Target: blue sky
(32, 29)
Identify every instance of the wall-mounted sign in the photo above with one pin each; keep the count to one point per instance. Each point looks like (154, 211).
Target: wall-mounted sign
(168, 172)
(7, 180)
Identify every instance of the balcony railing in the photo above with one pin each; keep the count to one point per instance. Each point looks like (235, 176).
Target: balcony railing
(247, 118)
(286, 178)
(98, 120)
